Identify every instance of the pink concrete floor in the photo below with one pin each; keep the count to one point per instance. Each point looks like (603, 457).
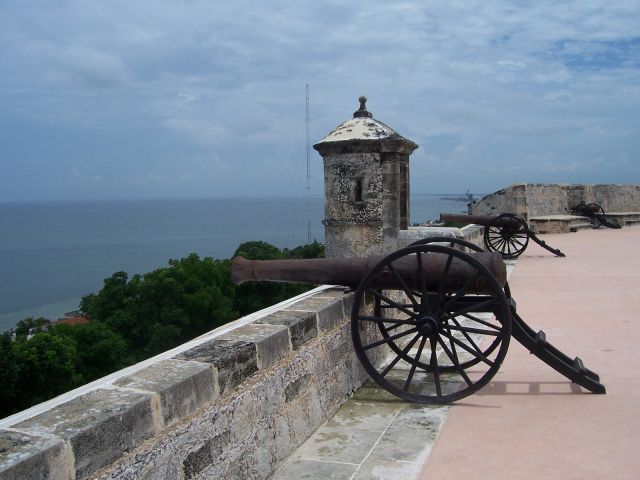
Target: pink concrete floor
(531, 422)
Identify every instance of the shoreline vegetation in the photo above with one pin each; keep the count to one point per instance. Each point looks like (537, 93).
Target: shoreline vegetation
(132, 318)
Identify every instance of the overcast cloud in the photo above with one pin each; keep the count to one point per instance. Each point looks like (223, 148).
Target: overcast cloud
(121, 99)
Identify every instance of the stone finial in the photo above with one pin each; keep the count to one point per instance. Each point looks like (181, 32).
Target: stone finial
(362, 111)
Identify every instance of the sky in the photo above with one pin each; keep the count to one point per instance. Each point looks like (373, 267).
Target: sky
(168, 99)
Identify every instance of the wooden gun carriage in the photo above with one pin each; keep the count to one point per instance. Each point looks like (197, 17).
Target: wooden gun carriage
(507, 234)
(430, 323)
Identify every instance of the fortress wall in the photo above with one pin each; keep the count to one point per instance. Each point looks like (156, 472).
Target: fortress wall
(531, 200)
(612, 198)
(231, 404)
(546, 199)
(512, 199)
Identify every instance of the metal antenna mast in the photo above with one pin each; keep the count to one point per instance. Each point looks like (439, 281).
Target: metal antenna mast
(308, 168)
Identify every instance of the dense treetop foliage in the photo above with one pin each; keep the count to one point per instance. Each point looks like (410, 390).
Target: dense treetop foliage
(134, 318)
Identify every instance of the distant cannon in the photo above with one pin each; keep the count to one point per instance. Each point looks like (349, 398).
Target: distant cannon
(595, 213)
(430, 323)
(507, 234)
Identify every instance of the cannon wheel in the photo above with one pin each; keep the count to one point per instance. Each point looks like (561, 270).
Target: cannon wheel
(428, 345)
(597, 216)
(509, 241)
(452, 242)
(593, 211)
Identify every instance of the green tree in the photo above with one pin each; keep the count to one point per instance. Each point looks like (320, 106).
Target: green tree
(99, 350)
(9, 375)
(167, 306)
(133, 318)
(309, 250)
(253, 296)
(113, 296)
(45, 368)
(29, 324)
(258, 250)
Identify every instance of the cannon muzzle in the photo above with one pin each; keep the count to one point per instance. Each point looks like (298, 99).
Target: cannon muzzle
(436, 269)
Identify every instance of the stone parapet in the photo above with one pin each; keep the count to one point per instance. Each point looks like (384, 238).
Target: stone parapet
(231, 404)
(558, 223)
(535, 199)
(470, 233)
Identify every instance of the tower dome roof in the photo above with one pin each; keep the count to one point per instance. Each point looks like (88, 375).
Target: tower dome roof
(364, 130)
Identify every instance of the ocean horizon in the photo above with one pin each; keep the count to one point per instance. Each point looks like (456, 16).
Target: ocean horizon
(53, 253)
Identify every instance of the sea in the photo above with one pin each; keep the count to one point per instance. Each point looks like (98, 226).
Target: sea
(53, 253)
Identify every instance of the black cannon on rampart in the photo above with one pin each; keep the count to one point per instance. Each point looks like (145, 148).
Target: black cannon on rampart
(430, 323)
(595, 213)
(507, 234)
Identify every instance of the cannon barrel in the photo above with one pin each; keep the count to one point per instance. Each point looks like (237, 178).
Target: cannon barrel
(351, 271)
(480, 219)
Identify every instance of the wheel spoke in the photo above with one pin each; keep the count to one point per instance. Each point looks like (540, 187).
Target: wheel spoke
(479, 331)
(390, 339)
(466, 335)
(405, 305)
(516, 247)
(399, 357)
(392, 303)
(476, 307)
(414, 364)
(434, 365)
(367, 318)
(464, 346)
(392, 328)
(493, 240)
(482, 322)
(445, 272)
(454, 359)
(406, 289)
(423, 281)
(462, 290)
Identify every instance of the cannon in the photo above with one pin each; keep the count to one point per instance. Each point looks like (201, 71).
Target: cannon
(507, 234)
(430, 323)
(595, 213)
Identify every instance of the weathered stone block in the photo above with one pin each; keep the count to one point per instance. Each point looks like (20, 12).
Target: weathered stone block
(272, 341)
(183, 386)
(293, 388)
(205, 455)
(255, 404)
(330, 310)
(235, 360)
(282, 438)
(302, 325)
(24, 457)
(101, 426)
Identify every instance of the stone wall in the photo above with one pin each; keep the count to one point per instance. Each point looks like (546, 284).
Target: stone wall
(231, 404)
(470, 233)
(530, 200)
(353, 204)
(612, 198)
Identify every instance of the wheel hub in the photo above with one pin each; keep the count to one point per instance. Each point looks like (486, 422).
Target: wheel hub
(428, 325)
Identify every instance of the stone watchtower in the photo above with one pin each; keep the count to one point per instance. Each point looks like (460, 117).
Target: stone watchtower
(366, 186)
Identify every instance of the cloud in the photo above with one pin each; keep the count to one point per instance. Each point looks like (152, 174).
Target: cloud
(504, 79)
(76, 176)
(88, 66)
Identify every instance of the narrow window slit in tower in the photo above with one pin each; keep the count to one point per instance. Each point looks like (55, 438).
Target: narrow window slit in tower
(358, 190)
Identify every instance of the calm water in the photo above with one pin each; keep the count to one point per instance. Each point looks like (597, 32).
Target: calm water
(51, 254)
